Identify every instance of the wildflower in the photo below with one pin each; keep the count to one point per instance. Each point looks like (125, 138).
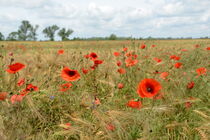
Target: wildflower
(3, 96)
(157, 60)
(70, 75)
(163, 75)
(29, 89)
(97, 101)
(131, 62)
(85, 71)
(93, 56)
(65, 87)
(116, 54)
(121, 71)
(21, 82)
(134, 104)
(15, 68)
(125, 49)
(143, 46)
(119, 63)
(178, 65)
(16, 98)
(110, 127)
(67, 126)
(190, 85)
(60, 51)
(201, 71)
(120, 85)
(148, 88)
(97, 62)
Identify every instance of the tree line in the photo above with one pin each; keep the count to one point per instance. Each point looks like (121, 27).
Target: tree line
(28, 32)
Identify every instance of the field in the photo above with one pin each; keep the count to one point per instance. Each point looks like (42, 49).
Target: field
(105, 90)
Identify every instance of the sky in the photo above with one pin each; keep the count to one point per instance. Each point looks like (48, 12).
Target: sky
(88, 18)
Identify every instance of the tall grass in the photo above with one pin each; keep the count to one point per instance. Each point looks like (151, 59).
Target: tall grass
(44, 114)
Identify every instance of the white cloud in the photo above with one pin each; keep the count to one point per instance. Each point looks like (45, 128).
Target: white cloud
(101, 18)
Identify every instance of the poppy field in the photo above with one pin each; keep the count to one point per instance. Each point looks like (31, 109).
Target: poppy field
(105, 90)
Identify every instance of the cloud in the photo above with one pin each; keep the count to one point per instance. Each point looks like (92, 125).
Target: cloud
(140, 18)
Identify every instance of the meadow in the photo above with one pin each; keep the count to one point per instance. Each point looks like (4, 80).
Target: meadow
(105, 90)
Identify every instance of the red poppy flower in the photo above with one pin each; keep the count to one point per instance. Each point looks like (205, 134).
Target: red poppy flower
(131, 62)
(134, 104)
(208, 48)
(157, 60)
(163, 75)
(190, 85)
(201, 71)
(87, 56)
(11, 54)
(29, 89)
(184, 50)
(121, 71)
(178, 65)
(93, 56)
(153, 46)
(188, 104)
(110, 127)
(197, 46)
(21, 82)
(116, 54)
(65, 87)
(125, 49)
(93, 67)
(172, 56)
(16, 98)
(70, 75)
(177, 58)
(120, 85)
(97, 101)
(85, 71)
(97, 62)
(15, 68)
(143, 46)
(128, 54)
(135, 56)
(67, 126)
(60, 51)
(119, 63)
(148, 88)
(3, 96)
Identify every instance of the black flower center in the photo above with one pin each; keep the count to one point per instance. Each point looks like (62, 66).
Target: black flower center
(71, 73)
(149, 89)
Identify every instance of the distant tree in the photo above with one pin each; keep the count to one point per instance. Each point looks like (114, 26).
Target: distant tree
(112, 37)
(13, 36)
(26, 31)
(65, 33)
(50, 32)
(33, 34)
(1, 37)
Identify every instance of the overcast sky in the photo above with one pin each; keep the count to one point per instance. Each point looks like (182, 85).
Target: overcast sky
(137, 18)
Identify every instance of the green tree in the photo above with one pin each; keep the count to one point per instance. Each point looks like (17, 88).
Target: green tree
(33, 34)
(112, 37)
(26, 31)
(13, 36)
(50, 32)
(1, 36)
(65, 33)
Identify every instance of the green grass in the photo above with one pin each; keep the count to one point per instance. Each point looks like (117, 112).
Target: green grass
(43, 114)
